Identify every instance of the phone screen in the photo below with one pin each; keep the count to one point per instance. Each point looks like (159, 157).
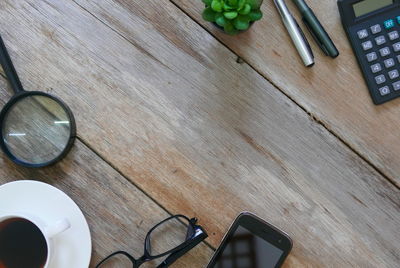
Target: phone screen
(243, 249)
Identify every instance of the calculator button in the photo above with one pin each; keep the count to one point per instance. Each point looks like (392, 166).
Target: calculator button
(398, 58)
(385, 51)
(389, 24)
(393, 35)
(380, 40)
(362, 34)
(376, 29)
(380, 79)
(393, 74)
(389, 63)
(396, 85)
(372, 56)
(376, 68)
(384, 90)
(398, 19)
(367, 45)
(396, 47)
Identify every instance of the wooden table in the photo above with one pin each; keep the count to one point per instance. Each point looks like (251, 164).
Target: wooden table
(170, 121)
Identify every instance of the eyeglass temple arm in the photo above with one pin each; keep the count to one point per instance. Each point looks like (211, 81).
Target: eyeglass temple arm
(174, 256)
(9, 69)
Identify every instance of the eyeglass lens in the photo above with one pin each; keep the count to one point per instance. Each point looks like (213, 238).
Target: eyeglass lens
(168, 236)
(36, 129)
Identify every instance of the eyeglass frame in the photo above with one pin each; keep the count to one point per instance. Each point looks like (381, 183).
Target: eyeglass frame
(195, 234)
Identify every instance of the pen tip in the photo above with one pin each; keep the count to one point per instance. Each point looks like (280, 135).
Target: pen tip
(335, 55)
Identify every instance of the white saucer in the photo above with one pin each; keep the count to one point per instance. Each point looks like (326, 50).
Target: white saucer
(73, 248)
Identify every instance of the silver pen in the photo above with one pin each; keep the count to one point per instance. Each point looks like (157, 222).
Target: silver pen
(295, 32)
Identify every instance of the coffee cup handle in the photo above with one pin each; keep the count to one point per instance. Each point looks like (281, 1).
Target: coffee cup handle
(56, 228)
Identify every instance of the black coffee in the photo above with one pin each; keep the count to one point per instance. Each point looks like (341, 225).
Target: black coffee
(22, 244)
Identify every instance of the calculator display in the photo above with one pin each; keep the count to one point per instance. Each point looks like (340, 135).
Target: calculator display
(367, 6)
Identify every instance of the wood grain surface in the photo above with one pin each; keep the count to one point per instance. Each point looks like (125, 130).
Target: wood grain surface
(169, 107)
(118, 213)
(333, 91)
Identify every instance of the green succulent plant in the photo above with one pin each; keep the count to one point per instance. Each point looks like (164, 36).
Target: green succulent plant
(232, 15)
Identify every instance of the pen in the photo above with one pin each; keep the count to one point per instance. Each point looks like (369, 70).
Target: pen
(295, 32)
(316, 29)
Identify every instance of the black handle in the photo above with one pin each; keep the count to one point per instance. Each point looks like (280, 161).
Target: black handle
(9, 69)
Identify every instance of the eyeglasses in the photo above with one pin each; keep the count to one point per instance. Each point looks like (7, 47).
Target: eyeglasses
(174, 237)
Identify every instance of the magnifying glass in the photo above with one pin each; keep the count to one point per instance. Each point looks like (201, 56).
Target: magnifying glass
(36, 129)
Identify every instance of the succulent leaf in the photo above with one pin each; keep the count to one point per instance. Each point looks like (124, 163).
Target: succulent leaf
(246, 10)
(242, 23)
(228, 7)
(245, 18)
(230, 15)
(209, 14)
(216, 5)
(241, 4)
(230, 29)
(220, 20)
(255, 15)
(207, 2)
(232, 2)
(255, 4)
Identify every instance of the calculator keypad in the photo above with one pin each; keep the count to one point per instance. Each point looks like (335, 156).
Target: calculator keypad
(367, 45)
(376, 29)
(362, 34)
(389, 63)
(380, 79)
(396, 47)
(380, 40)
(384, 90)
(389, 24)
(384, 51)
(372, 56)
(381, 46)
(393, 35)
(396, 85)
(393, 74)
(376, 68)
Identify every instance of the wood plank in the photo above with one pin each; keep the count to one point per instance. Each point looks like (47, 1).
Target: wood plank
(168, 106)
(119, 215)
(333, 91)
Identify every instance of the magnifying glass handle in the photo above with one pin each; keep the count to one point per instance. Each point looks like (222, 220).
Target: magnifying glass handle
(9, 69)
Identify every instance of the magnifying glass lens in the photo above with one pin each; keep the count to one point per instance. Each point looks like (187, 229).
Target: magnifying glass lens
(36, 129)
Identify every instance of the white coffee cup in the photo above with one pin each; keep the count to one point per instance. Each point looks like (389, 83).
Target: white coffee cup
(48, 229)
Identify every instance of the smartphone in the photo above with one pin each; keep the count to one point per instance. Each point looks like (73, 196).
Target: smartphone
(252, 243)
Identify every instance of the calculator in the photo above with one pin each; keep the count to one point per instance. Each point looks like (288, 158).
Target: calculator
(373, 28)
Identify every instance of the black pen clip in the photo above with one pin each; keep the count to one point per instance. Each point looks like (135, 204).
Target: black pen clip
(320, 44)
